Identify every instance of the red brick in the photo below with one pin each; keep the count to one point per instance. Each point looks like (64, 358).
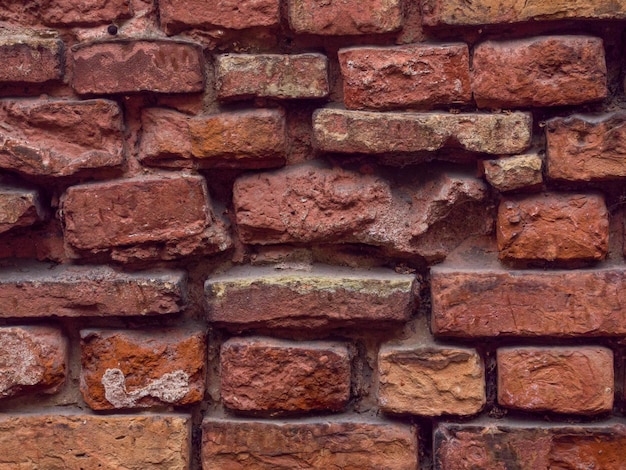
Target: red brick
(259, 374)
(241, 76)
(39, 289)
(372, 133)
(32, 359)
(232, 14)
(553, 227)
(30, 59)
(129, 66)
(19, 207)
(520, 172)
(141, 369)
(413, 76)
(146, 217)
(350, 17)
(539, 71)
(240, 139)
(349, 445)
(43, 242)
(86, 12)
(559, 379)
(60, 137)
(86, 441)
(324, 297)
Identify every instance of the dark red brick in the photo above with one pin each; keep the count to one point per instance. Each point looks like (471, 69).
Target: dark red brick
(29, 58)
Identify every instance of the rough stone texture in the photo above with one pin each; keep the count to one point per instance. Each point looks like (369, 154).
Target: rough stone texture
(539, 71)
(586, 148)
(56, 12)
(60, 137)
(146, 217)
(87, 441)
(350, 17)
(553, 227)
(492, 446)
(232, 14)
(283, 76)
(32, 359)
(413, 76)
(323, 297)
(129, 66)
(30, 59)
(19, 207)
(349, 445)
(311, 204)
(31, 289)
(262, 374)
(477, 12)
(431, 381)
(141, 369)
(559, 379)
(341, 131)
(514, 173)
(240, 139)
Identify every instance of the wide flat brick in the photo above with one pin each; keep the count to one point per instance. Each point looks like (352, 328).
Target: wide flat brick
(374, 133)
(130, 66)
(39, 290)
(350, 17)
(30, 59)
(32, 360)
(240, 139)
(141, 369)
(311, 444)
(539, 71)
(324, 297)
(431, 381)
(145, 217)
(519, 172)
(282, 76)
(86, 441)
(60, 137)
(19, 207)
(85, 12)
(553, 227)
(559, 379)
(414, 76)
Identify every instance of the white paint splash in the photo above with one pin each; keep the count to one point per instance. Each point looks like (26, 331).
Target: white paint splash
(170, 388)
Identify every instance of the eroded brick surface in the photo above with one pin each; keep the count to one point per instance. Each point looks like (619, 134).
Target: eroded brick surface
(519, 172)
(19, 207)
(29, 58)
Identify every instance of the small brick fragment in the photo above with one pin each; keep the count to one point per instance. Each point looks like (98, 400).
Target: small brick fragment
(553, 227)
(349, 445)
(297, 76)
(373, 133)
(539, 71)
(141, 369)
(19, 207)
(32, 359)
(30, 59)
(414, 76)
(559, 379)
(431, 381)
(43, 242)
(90, 441)
(514, 173)
(130, 66)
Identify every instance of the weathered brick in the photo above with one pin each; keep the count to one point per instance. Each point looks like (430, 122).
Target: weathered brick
(262, 374)
(86, 12)
(60, 137)
(145, 217)
(19, 207)
(233, 14)
(559, 379)
(431, 381)
(539, 71)
(477, 12)
(30, 58)
(86, 441)
(129, 66)
(321, 298)
(39, 289)
(515, 173)
(32, 359)
(241, 76)
(350, 17)
(240, 139)
(586, 148)
(140, 369)
(553, 227)
(413, 76)
(349, 445)
(341, 131)
(43, 242)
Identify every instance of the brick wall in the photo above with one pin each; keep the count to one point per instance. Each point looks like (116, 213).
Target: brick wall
(276, 234)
